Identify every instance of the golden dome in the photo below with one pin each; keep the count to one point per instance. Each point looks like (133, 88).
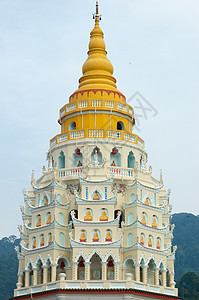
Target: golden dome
(97, 69)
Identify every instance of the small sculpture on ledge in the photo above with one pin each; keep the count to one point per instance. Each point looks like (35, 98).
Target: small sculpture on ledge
(96, 161)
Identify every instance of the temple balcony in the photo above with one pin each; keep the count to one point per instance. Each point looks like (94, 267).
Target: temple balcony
(118, 172)
(96, 133)
(71, 172)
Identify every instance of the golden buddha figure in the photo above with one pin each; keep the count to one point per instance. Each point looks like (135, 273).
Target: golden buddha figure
(95, 236)
(42, 241)
(79, 164)
(146, 201)
(46, 201)
(154, 223)
(88, 215)
(38, 221)
(150, 242)
(108, 236)
(50, 239)
(103, 216)
(82, 236)
(143, 221)
(113, 164)
(48, 218)
(158, 244)
(34, 243)
(142, 239)
(96, 196)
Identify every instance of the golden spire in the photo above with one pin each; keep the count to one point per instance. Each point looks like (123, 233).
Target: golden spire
(97, 69)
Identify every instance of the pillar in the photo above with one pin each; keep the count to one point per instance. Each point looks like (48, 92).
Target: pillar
(87, 270)
(27, 278)
(164, 280)
(171, 281)
(104, 271)
(144, 268)
(74, 271)
(19, 283)
(156, 276)
(137, 272)
(54, 272)
(117, 271)
(45, 274)
(34, 276)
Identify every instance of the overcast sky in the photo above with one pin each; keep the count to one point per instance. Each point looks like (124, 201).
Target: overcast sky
(153, 46)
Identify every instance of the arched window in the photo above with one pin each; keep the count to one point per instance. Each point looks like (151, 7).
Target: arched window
(131, 160)
(48, 218)
(130, 240)
(59, 198)
(142, 265)
(103, 215)
(161, 269)
(158, 243)
(144, 218)
(95, 236)
(72, 126)
(168, 279)
(110, 269)
(130, 218)
(62, 239)
(77, 158)
(88, 214)
(81, 269)
(96, 157)
(34, 242)
(115, 158)
(150, 241)
(120, 125)
(30, 269)
(61, 218)
(61, 267)
(142, 239)
(130, 267)
(61, 160)
(132, 198)
(41, 240)
(96, 267)
(39, 267)
(50, 239)
(108, 235)
(38, 220)
(83, 236)
(151, 272)
(154, 222)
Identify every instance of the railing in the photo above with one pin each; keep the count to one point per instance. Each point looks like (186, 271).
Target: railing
(71, 107)
(109, 103)
(130, 137)
(73, 172)
(95, 133)
(120, 172)
(53, 142)
(83, 104)
(62, 111)
(114, 134)
(96, 103)
(62, 138)
(76, 134)
(130, 110)
(121, 106)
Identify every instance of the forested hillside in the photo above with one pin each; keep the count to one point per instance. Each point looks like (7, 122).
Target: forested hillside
(186, 236)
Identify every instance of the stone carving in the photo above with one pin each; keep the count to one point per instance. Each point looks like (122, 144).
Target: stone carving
(20, 229)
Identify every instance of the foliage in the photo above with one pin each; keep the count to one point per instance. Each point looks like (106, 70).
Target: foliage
(189, 286)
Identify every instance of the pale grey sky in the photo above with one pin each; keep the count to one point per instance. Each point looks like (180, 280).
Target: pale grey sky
(153, 46)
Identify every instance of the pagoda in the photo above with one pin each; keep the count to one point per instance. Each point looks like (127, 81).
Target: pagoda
(96, 224)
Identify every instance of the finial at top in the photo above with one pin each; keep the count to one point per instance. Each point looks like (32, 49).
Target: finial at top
(96, 16)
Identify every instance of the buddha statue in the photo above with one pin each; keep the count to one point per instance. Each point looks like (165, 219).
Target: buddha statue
(96, 196)
(150, 242)
(103, 216)
(142, 239)
(146, 201)
(79, 164)
(113, 164)
(34, 243)
(154, 223)
(108, 236)
(46, 201)
(88, 215)
(38, 221)
(95, 236)
(158, 244)
(143, 221)
(42, 241)
(82, 236)
(48, 218)
(50, 239)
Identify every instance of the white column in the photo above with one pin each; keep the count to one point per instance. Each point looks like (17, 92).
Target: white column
(54, 272)
(156, 276)
(137, 272)
(34, 276)
(87, 270)
(27, 278)
(45, 274)
(164, 281)
(74, 271)
(19, 283)
(144, 269)
(172, 281)
(117, 271)
(104, 271)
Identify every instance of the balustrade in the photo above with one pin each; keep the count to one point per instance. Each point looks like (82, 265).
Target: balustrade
(73, 172)
(120, 172)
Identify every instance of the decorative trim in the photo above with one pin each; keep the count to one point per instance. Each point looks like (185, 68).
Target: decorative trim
(95, 91)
